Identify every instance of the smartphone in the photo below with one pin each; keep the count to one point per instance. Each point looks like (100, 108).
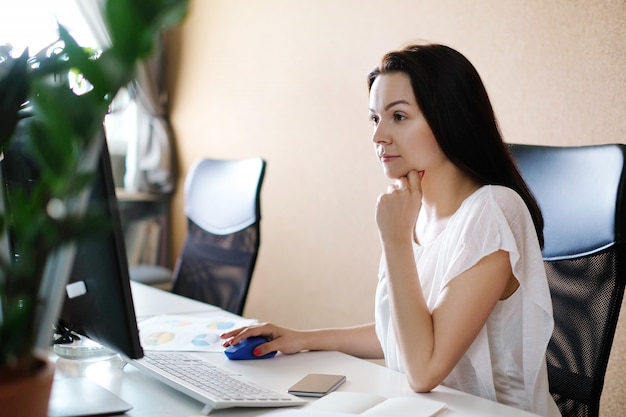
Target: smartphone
(316, 385)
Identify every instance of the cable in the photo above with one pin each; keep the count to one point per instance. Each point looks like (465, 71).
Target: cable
(64, 333)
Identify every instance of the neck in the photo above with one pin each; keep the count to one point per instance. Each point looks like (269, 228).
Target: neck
(443, 192)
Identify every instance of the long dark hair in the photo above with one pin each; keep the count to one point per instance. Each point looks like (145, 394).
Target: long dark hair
(454, 101)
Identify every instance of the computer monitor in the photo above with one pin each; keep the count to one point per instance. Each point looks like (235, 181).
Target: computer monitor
(104, 312)
(98, 301)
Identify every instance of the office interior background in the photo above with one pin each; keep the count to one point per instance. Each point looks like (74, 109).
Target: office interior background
(285, 80)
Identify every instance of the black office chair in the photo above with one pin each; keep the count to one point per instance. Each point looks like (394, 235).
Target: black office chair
(581, 192)
(222, 205)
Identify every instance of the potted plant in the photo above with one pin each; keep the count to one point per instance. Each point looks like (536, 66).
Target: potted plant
(61, 138)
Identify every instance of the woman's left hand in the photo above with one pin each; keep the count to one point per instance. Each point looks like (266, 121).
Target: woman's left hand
(281, 338)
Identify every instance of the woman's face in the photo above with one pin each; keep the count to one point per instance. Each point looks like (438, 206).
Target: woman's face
(402, 136)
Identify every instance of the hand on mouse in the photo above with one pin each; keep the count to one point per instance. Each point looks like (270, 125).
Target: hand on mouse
(281, 339)
(247, 349)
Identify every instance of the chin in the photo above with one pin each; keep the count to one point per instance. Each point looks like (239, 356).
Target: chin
(394, 175)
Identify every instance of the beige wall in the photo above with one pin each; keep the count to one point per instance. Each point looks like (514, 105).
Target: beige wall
(285, 79)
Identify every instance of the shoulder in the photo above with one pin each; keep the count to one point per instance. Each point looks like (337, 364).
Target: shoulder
(498, 193)
(497, 197)
(492, 210)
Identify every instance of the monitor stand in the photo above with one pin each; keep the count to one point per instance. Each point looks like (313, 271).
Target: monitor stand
(83, 349)
(74, 393)
(74, 397)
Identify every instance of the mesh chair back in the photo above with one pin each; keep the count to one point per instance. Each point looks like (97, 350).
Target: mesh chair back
(220, 251)
(580, 191)
(217, 269)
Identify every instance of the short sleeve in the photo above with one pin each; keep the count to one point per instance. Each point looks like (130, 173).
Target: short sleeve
(485, 226)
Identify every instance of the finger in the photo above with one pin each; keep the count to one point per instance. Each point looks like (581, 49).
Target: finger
(247, 332)
(413, 179)
(231, 333)
(264, 349)
(232, 338)
(401, 183)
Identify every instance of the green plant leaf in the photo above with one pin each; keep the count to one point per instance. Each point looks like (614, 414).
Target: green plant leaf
(14, 87)
(61, 133)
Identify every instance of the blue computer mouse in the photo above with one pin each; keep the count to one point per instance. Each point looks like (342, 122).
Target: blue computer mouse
(243, 350)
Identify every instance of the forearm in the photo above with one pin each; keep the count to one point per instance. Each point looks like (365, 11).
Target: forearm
(359, 341)
(431, 343)
(413, 323)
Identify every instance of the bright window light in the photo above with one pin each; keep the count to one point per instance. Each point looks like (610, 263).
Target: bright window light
(33, 24)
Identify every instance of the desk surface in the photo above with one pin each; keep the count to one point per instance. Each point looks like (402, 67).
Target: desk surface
(152, 398)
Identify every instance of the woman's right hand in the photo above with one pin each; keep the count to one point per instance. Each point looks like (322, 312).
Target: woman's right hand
(281, 339)
(397, 209)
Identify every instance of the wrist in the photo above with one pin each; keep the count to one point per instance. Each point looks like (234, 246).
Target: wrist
(391, 243)
(320, 339)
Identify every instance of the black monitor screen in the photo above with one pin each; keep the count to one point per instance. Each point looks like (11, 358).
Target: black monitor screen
(103, 311)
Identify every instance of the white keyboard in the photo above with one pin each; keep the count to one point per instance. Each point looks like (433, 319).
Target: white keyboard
(206, 382)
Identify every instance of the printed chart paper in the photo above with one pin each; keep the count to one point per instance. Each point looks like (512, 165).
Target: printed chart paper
(187, 333)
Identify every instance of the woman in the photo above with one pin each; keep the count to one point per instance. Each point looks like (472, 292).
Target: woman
(462, 297)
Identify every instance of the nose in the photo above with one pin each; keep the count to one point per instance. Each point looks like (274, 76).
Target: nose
(380, 135)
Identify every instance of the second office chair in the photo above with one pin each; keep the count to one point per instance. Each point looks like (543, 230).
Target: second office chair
(222, 206)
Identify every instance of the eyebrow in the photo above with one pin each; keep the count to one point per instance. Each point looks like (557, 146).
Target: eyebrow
(394, 103)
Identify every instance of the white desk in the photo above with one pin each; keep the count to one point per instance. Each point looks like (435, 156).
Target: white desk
(151, 398)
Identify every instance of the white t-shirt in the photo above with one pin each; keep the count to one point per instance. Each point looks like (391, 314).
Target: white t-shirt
(507, 360)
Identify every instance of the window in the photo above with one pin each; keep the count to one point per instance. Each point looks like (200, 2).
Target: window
(33, 24)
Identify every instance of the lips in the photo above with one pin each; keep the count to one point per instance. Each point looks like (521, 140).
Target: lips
(384, 158)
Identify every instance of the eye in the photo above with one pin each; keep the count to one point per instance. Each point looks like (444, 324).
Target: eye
(374, 119)
(398, 117)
